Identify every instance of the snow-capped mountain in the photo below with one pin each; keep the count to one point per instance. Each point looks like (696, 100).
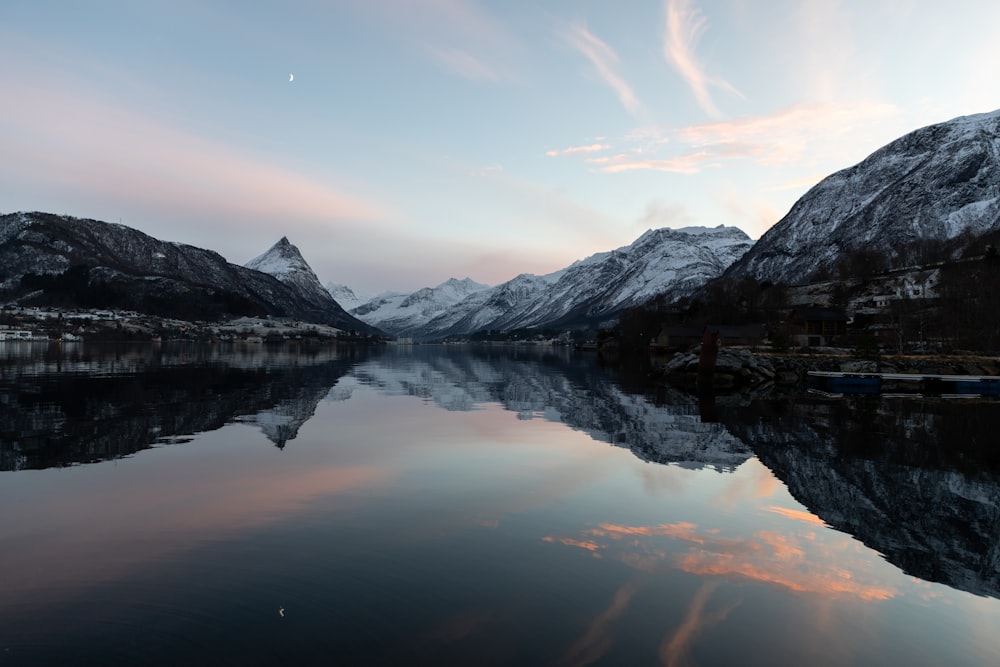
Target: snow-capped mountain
(399, 312)
(934, 183)
(669, 262)
(73, 262)
(284, 261)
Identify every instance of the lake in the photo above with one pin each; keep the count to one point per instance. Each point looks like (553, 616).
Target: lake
(444, 505)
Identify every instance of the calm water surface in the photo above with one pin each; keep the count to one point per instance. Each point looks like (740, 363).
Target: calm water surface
(449, 506)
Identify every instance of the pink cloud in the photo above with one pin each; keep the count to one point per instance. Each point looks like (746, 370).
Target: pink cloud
(787, 134)
(685, 164)
(684, 27)
(787, 560)
(590, 148)
(798, 515)
(797, 135)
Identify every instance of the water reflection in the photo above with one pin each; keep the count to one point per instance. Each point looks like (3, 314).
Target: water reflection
(63, 406)
(918, 480)
(433, 503)
(80, 408)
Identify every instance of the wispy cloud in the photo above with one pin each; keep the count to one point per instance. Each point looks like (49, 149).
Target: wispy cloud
(465, 39)
(588, 148)
(605, 62)
(684, 27)
(801, 135)
(691, 163)
(465, 64)
(787, 135)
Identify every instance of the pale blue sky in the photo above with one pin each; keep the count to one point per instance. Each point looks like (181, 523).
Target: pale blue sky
(428, 139)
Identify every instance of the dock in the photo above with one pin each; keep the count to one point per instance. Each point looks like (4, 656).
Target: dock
(925, 384)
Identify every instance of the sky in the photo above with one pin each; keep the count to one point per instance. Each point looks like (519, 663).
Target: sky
(399, 143)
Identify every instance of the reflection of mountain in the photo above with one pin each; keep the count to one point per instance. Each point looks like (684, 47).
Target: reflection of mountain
(75, 408)
(918, 482)
(64, 409)
(282, 422)
(556, 386)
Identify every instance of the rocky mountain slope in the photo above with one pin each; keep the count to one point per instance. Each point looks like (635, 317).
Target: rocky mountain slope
(73, 262)
(932, 184)
(668, 262)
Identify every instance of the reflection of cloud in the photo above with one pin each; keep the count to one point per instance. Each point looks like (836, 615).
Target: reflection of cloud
(588, 545)
(757, 482)
(676, 649)
(598, 638)
(684, 28)
(798, 515)
(457, 628)
(802, 578)
(243, 500)
(794, 562)
(604, 60)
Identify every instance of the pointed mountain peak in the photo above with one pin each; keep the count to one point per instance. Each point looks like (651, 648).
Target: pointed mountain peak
(281, 260)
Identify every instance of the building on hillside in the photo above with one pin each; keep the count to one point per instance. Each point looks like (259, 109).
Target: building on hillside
(817, 327)
(678, 338)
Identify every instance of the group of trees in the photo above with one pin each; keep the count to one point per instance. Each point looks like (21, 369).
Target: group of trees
(961, 313)
(78, 287)
(72, 287)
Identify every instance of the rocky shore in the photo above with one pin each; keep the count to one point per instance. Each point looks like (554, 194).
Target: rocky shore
(740, 368)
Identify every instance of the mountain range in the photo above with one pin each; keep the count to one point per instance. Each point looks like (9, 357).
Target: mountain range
(590, 292)
(938, 183)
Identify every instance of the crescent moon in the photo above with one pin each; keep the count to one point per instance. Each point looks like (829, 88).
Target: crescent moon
(291, 77)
